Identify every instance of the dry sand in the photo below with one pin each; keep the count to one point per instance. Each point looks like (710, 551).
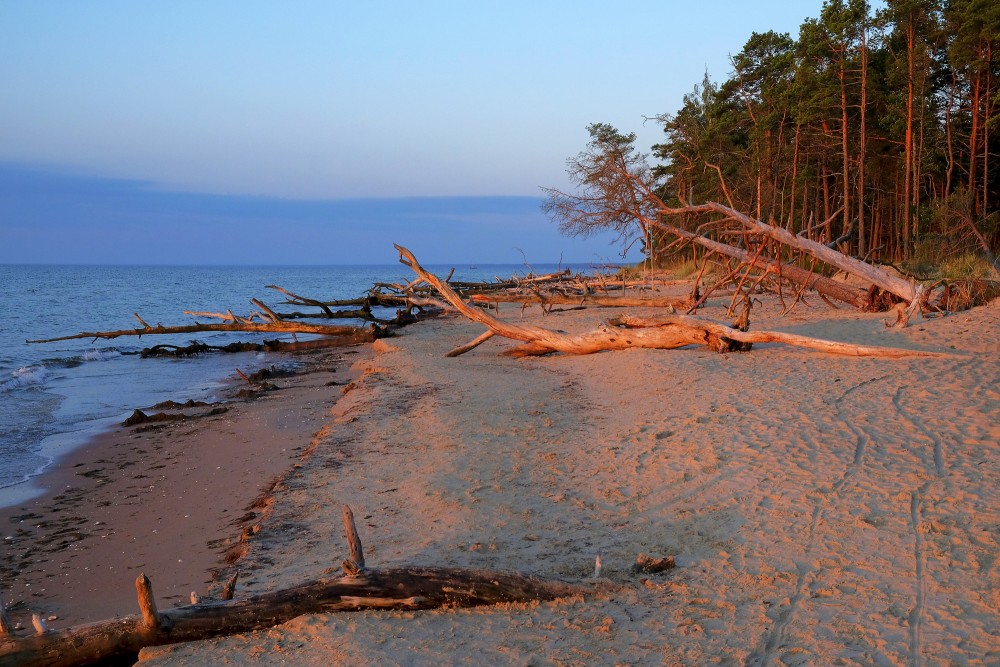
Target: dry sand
(822, 510)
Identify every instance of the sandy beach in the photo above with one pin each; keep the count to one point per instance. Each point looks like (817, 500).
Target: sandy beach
(821, 509)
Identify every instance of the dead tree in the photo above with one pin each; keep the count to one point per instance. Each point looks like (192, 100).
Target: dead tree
(619, 191)
(666, 332)
(912, 293)
(237, 324)
(834, 289)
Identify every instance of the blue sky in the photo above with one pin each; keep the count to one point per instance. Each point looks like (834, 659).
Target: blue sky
(265, 101)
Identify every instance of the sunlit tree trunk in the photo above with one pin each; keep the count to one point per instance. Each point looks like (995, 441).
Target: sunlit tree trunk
(844, 134)
(974, 104)
(862, 238)
(987, 100)
(908, 141)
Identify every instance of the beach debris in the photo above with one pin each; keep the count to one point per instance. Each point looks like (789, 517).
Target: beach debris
(650, 565)
(174, 405)
(408, 588)
(358, 334)
(668, 331)
(139, 417)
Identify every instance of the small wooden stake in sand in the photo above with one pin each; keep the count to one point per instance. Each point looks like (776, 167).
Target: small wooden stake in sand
(229, 590)
(147, 604)
(39, 624)
(353, 541)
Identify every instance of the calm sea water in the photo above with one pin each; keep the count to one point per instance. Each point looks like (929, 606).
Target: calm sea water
(55, 396)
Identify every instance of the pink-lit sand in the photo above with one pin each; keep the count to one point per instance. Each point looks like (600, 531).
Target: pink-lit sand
(822, 510)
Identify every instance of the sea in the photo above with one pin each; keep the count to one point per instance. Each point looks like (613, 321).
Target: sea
(56, 396)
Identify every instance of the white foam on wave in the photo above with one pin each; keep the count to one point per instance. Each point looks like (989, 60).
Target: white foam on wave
(100, 355)
(23, 377)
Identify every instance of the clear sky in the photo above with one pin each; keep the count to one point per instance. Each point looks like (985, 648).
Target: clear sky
(336, 100)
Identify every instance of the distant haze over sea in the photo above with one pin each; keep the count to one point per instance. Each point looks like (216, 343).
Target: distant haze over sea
(49, 216)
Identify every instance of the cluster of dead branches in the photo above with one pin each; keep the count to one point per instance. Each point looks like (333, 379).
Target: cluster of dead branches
(669, 331)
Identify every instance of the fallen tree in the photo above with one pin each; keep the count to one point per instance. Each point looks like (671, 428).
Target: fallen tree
(360, 334)
(912, 293)
(585, 299)
(398, 588)
(667, 332)
(620, 191)
(834, 289)
(408, 588)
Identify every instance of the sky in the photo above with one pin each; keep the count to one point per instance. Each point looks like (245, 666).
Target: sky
(267, 106)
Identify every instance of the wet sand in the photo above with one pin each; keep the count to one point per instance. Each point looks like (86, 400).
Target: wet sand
(170, 500)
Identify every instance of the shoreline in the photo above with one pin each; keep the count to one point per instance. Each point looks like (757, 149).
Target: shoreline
(163, 499)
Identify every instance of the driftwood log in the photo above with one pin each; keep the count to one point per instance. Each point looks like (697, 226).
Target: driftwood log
(399, 588)
(666, 332)
(407, 588)
(361, 334)
(550, 299)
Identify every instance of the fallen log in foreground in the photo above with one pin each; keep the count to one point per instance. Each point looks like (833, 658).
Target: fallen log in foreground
(666, 332)
(401, 588)
(407, 588)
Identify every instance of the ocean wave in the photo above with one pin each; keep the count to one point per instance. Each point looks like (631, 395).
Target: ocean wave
(24, 377)
(9, 479)
(101, 355)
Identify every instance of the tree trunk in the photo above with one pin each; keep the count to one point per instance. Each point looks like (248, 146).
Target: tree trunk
(360, 333)
(974, 104)
(667, 332)
(912, 293)
(833, 289)
(862, 222)
(908, 138)
(403, 588)
(845, 153)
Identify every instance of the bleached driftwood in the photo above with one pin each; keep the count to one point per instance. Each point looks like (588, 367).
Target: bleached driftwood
(549, 299)
(244, 325)
(665, 332)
